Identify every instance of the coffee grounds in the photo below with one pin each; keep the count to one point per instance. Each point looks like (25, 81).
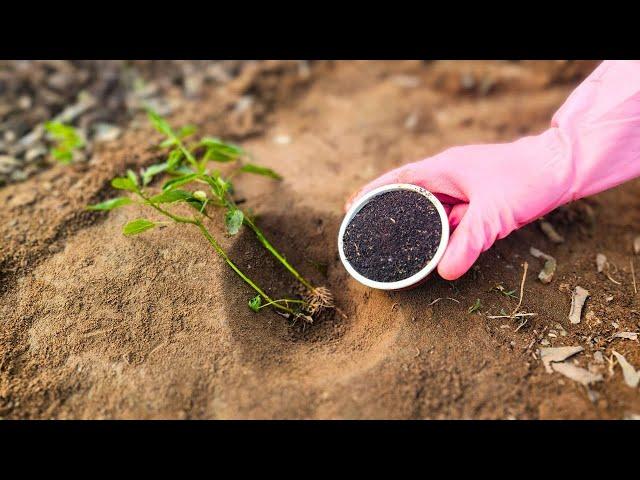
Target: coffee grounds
(393, 236)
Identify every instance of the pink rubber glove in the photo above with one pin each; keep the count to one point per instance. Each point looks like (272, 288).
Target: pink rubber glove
(491, 190)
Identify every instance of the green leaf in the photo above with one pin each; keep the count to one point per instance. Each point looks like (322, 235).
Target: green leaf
(233, 220)
(110, 204)
(66, 134)
(159, 123)
(169, 142)
(475, 306)
(171, 196)
(124, 183)
(133, 177)
(152, 171)
(175, 156)
(187, 131)
(219, 151)
(63, 155)
(257, 169)
(255, 303)
(176, 182)
(138, 226)
(195, 203)
(67, 140)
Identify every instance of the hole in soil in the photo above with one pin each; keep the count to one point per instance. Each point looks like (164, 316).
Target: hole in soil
(308, 242)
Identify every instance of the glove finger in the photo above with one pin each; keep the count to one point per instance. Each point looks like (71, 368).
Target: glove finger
(456, 213)
(465, 245)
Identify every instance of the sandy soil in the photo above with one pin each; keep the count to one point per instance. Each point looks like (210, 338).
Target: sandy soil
(96, 325)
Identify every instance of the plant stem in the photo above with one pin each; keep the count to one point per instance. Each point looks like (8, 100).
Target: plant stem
(235, 268)
(266, 244)
(219, 251)
(263, 240)
(285, 300)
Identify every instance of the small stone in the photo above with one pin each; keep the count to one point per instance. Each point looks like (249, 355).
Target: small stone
(282, 139)
(105, 132)
(25, 102)
(8, 164)
(9, 136)
(34, 153)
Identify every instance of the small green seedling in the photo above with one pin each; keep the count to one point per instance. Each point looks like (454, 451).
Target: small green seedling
(476, 306)
(501, 289)
(67, 141)
(187, 164)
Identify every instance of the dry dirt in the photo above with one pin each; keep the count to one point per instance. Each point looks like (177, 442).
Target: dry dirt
(97, 325)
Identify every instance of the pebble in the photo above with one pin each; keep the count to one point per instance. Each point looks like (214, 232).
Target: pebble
(105, 132)
(8, 164)
(35, 152)
(282, 139)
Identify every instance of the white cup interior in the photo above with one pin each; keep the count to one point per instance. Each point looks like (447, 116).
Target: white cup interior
(427, 269)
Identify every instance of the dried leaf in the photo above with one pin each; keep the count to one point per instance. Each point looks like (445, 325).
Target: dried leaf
(549, 269)
(631, 376)
(551, 232)
(557, 354)
(577, 302)
(578, 374)
(627, 335)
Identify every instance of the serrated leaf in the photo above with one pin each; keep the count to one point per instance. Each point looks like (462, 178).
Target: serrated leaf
(133, 177)
(152, 171)
(123, 183)
(175, 156)
(169, 142)
(159, 123)
(187, 131)
(219, 151)
(257, 169)
(233, 220)
(183, 180)
(255, 303)
(138, 226)
(170, 196)
(110, 204)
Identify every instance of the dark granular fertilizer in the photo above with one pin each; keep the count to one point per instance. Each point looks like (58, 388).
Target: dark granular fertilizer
(393, 236)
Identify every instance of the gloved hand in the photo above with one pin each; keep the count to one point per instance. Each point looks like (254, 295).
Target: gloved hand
(491, 190)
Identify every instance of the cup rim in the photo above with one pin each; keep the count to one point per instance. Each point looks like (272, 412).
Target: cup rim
(416, 277)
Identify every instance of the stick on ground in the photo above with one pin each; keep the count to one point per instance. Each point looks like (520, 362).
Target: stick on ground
(524, 277)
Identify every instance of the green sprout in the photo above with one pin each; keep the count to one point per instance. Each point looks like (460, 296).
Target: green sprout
(67, 141)
(476, 305)
(187, 164)
(501, 289)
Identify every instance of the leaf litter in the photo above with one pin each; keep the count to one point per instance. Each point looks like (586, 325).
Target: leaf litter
(630, 374)
(549, 269)
(577, 303)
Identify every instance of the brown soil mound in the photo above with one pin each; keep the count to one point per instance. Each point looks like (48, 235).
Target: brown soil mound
(97, 325)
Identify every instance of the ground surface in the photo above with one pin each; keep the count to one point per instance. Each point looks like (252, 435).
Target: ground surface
(96, 325)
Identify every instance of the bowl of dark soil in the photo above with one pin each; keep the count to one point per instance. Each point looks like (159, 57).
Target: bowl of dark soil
(393, 237)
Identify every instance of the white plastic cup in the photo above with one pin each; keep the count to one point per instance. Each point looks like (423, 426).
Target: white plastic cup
(415, 279)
